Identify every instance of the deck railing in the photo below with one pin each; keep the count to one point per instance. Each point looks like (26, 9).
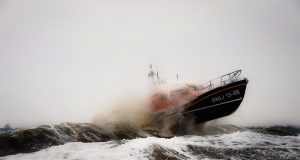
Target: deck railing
(222, 81)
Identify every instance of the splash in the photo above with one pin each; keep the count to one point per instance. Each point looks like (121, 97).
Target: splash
(159, 111)
(131, 111)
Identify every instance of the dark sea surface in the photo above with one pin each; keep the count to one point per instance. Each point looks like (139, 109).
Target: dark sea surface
(69, 141)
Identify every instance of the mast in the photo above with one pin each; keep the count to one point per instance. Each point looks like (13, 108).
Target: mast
(154, 76)
(151, 74)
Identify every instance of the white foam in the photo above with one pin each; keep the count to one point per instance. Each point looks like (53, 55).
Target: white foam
(141, 148)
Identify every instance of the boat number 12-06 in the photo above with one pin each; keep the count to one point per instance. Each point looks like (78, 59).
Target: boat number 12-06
(226, 95)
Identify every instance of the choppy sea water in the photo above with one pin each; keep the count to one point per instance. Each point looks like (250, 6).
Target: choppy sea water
(237, 145)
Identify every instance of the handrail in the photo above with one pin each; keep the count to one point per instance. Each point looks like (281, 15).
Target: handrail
(231, 77)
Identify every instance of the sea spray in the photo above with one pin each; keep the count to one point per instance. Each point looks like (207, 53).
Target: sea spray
(141, 112)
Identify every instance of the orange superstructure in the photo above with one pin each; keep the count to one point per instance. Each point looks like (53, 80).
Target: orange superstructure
(161, 101)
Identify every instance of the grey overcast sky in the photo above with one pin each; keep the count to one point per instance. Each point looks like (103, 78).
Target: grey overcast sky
(65, 61)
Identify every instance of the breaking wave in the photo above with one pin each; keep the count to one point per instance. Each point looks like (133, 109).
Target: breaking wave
(236, 145)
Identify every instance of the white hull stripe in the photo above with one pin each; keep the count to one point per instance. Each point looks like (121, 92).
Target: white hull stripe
(213, 105)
